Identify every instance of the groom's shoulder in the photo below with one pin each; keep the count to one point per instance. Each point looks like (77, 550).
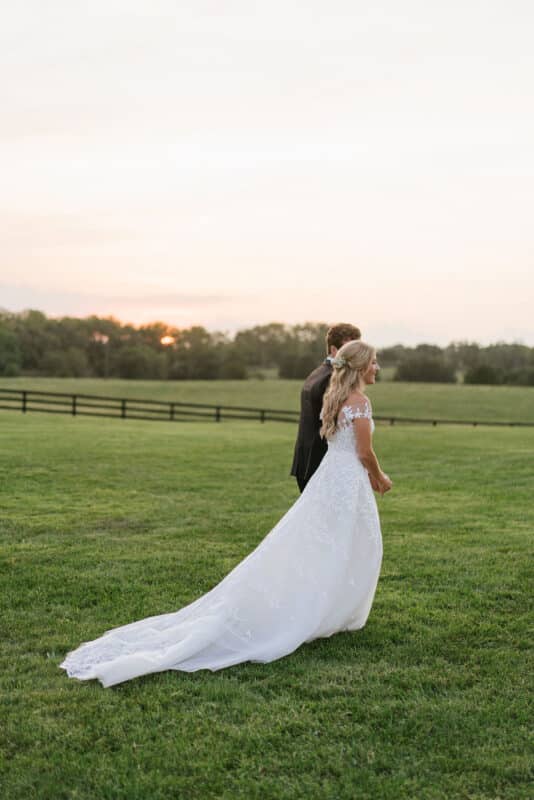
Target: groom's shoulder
(319, 375)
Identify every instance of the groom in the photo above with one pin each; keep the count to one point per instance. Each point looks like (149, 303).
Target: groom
(309, 447)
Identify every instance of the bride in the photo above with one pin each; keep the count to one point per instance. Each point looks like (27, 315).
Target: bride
(313, 575)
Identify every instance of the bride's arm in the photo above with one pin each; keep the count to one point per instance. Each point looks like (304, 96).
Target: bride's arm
(364, 437)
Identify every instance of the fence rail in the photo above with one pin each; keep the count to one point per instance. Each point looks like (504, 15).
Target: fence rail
(89, 405)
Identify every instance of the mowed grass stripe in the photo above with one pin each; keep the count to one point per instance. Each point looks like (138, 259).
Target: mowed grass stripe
(103, 523)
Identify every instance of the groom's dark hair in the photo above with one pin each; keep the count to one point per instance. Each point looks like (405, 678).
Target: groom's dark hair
(338, 334)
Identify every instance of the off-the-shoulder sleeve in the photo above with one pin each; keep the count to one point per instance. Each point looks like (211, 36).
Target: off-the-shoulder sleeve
(357, 410)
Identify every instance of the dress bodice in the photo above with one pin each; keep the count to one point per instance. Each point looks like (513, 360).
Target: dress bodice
(344, 439)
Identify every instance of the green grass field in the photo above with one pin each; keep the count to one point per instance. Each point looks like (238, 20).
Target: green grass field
(103, 522)
(441, 401)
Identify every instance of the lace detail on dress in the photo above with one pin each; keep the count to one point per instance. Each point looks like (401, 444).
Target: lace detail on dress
(355, 411)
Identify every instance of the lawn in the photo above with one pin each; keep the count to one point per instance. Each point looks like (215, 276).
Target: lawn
(104, 522)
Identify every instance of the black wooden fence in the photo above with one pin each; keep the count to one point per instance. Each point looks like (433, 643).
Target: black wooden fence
(88, 405)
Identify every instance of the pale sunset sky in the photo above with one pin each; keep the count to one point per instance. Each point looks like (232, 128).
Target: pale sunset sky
(233, 163)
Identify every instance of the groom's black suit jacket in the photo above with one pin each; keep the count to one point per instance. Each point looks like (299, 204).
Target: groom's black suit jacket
(309, 447)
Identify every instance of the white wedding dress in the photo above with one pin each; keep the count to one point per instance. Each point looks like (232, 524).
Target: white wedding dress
(313, 575)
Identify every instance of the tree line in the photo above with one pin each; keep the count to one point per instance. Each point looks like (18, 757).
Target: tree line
(35, 345)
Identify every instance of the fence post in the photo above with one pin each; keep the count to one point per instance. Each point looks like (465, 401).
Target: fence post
(123, 409)
(217, 414)
(171, 411)
(262, 415)
(24, 400)
(73, 405)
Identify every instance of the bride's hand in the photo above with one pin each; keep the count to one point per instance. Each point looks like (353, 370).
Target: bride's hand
(385, 484)
(374, 484)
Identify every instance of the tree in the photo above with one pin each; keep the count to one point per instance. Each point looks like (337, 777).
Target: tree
(140, 361)
(520, 377)
(391, 356)
(193, 356)
(233, 369)
(310, 339)
(69, 363)
(295, 366)
(428, 351)
(463, 355)
(36, 337)
(153, 333)
(483, 374)
(263, 345)
(507, 356)
(427, 369)
(10, 355)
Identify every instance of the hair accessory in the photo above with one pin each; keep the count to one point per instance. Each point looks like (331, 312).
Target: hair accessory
(339, 362)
